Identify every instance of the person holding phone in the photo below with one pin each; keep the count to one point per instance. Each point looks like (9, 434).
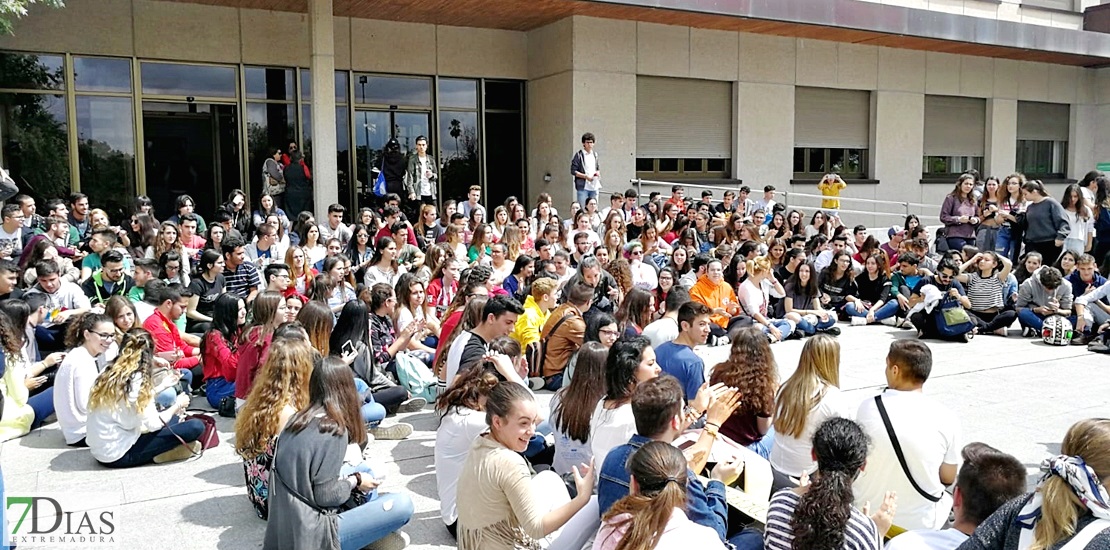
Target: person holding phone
(830, 186)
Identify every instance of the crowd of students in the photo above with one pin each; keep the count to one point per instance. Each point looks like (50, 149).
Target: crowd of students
(312, 333)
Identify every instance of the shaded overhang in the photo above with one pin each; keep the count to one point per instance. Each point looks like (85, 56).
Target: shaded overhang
(854, 21)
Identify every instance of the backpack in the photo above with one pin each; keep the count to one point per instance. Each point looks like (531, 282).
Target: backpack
(952, 318)
(415, 377)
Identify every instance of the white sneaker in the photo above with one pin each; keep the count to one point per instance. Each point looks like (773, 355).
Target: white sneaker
(392, 432)
(859, 321)
(889, 321)
(536, 383)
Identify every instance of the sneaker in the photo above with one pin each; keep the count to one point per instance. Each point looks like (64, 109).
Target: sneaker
(179, 453)
(859, 321)
(396, 540)
(392, 432)
(1098, 346)
(1027, 332)
(889, 321)
(536, 383)
(415, 404)
(723, 341)
(1079, 340)
(835, 331)
(967, 336)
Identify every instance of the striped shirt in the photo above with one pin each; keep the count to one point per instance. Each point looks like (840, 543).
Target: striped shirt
(240, 282)
(860, 533)
(984, 293)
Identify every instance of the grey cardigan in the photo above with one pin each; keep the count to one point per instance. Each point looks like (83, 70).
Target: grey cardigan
(307, 463)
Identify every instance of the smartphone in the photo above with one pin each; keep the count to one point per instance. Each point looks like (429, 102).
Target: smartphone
(348, 348)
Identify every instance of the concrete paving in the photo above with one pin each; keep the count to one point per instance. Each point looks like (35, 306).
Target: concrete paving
(1016, 394)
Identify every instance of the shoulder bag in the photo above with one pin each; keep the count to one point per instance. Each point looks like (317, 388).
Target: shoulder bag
(535, 366)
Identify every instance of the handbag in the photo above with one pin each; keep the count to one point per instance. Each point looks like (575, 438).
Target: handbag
(379, 182)
(208, 438)
(952, 318)
(271, 186)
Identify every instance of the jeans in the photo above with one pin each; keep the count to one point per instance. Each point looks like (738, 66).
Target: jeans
(153, 444)
(887, 310)
(553, 382)
(217, 389)
(1010, 291)
(43, 405)
(374, 520)
(785, 327)
(391, 397)
(763, 446)
(1029, 318)
(583, 195)
(372, 412)
(809, 329)
(166, 399)
(186, 378)
(1095, 317)
(1002, 241)
(958, 243)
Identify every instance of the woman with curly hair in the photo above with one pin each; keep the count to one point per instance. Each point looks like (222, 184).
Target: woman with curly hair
(169, 239)
(751, 367)
(621, 271)
(280, 390)
(124, 428)
(820, 516)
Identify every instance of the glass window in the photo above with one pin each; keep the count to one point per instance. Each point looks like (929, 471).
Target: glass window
(1042, 158)
(106, 150)
(341, 86)
(692, 166)
(458, 151)
(102, 74)
(28, 71)
(343, 157)
(266, 83)
(815, 161)
(394, 90)
(458, 93)
(503, 136)
(269, 126)
(188, 80)
(503, 95)
(716, 165)
(306, 84)
(948, 166)
(35, 143)
(668, 165)
(645, 165)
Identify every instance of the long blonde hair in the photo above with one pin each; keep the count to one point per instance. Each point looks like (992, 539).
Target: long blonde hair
(111, 388)
(1090, 440)
(282, 380)
(660, 471)
(818, 368)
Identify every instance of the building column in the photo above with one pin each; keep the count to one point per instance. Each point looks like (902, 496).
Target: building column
(1001, 137)
(325, 173)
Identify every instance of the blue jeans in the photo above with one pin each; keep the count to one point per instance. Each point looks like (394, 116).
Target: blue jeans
(748, 539)
(374, 520)
(218, 388)
(887, 310)
(583, 195)
(809, 329)
(784, 326)
(763, 446)
(43, 405)
(372, 412)
(1003, 241)
(153, 444)
(1028, 318)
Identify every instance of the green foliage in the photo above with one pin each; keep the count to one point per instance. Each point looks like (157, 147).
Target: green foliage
(11, 10)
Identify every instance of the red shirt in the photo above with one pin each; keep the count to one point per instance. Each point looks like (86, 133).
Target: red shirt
(220, 361)
(445, 331)
(440, 297)
(385, 232)
(167, 338)
(252, 354)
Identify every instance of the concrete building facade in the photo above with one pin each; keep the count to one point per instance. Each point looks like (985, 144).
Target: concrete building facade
(760, 93)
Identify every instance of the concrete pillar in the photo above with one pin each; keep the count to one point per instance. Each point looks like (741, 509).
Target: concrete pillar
(325, 183)
(897, 140)
(1001, 146)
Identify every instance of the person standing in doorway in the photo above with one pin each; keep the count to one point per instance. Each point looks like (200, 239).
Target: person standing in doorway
(422, 177)
(586, 170)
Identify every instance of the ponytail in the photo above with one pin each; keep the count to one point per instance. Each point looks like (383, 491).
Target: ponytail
(660, 471)
(824, 510)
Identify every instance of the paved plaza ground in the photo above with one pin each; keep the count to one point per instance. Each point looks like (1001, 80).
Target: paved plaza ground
(1016, 394)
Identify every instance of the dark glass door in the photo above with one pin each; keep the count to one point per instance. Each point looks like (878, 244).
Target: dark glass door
(190, 149)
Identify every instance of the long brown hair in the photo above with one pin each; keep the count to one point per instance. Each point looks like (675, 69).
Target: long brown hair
(318, 322)
(818, 368)
(635, 308)
(660, 472)
(467, 392)
(572, 413)
(751, 365)
(471, 317)
(331, 391)
(1090, 440)
(282, 381)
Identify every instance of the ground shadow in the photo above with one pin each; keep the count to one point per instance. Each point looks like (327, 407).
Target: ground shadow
(413, 457)
(224, 474)
(77, 460)
(40, 438)
(423, 485)
(234, 514)
(426, 529)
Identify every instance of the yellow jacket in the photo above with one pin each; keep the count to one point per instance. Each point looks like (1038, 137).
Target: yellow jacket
(715, 296)
(831, 190)
(529, 323)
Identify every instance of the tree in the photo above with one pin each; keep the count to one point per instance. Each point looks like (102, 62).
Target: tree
(16, 9)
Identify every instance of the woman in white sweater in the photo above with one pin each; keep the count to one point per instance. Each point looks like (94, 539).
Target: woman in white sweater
(124, 427)
(74, 381)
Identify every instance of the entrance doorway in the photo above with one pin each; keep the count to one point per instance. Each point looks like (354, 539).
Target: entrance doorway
(191, 148)
(372, 130)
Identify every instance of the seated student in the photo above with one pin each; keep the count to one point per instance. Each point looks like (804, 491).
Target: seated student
(654, 514)
(1043, 294)
(750, 366)
(499, 316)
(944, 281)
(168, 343)
(837, 283)
(500, 504)
(365, 344)
(110, 280)
(146, 270)
(563, 334)
(124, 428)
(920, 248)
(220, 348)
(280, 390)
(65, 301)
(313, 483)
(462, 420)
(677, 357)
(100, 242)
(877, 300)
(712, 290)
(1090, 312)
(987, 480)
(665, 329)
(821, 514)
(802, 304)
(657, 405)
(22, 412)
(1068, 509)
(631, 361)
(809, 397)
(537, 309)
(572, 408)
(74, 381)
(9, 280)
(267, 313)
(926, 432)
(984, 276)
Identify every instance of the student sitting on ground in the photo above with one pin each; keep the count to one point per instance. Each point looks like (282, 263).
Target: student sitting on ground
(573, 405)
(821, 515)
(22, 412)
(220, 348)
(665, 329)
(653, 515)
(462, 420)
(751, 367)
(677, 357)
(79, 370)
(1043, 294)
(124, 428)
(267, 313)
(631, 361)
(988, 479)
(984, 276)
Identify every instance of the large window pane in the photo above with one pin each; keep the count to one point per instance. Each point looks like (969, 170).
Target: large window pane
(458, 93)
(503, 95)
(268, 83)
(306, 84)
(102, 74)
(341, 86)
(504, 138)
(188, 80)
(33, 137)
(106, 151)
(371, 133)
(458, 151)
(31, 72)
(269, 126)
(394, 90)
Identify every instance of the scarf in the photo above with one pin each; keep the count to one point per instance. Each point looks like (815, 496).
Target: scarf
(1082, 480)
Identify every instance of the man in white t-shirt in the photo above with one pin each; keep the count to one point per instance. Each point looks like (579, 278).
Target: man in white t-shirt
(666, 328)
(988, 479)
(927, 433)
